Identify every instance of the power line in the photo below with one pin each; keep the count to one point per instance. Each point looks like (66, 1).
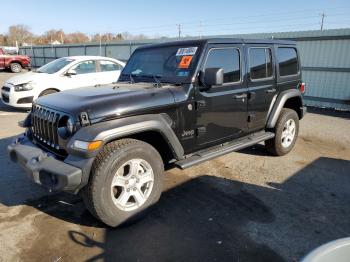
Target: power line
(188, 23)
(201, 25)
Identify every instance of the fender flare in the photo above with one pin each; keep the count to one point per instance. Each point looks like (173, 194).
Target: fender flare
(119, 128)
(279, 104)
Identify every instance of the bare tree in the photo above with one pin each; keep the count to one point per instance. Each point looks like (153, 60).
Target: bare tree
(22, 34)
(3, 39)
(54, 35)
(107, 37)
(77, 37)
(19, 33)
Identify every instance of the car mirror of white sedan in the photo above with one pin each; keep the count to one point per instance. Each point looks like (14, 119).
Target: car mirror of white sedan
(71, 72)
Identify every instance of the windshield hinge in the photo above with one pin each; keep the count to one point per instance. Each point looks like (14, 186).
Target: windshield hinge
(84, 119)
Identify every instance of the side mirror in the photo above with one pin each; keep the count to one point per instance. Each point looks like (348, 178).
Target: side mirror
(213, 77)
(71, 72)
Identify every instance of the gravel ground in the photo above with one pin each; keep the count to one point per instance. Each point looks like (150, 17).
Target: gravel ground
(245, 206)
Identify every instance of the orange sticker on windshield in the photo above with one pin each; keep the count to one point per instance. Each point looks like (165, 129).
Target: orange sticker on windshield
(185, 62)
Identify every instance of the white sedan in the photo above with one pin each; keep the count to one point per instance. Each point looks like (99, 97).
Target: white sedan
(59, 75)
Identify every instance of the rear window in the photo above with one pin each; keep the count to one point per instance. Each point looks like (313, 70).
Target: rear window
(107, 66)
(260, 60)
(288, 61)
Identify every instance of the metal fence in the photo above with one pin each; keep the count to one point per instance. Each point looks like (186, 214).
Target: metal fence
(325, 60)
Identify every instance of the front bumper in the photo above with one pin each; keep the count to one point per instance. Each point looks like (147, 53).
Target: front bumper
(22, 99)
(44, 169)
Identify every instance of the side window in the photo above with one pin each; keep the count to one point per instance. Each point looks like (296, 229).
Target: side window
(228, 59)
(107, 66)
(288, 61)
(260, 61)
(85, 67)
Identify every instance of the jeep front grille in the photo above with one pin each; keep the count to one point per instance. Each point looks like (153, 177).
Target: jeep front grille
(45, 126)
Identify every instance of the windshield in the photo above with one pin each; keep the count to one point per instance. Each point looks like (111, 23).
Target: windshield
(55, 65)
(171, 64)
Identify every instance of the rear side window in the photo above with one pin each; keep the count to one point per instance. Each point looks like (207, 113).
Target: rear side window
(288, 61)
(228, 59)
(109, 66)
(260, 61)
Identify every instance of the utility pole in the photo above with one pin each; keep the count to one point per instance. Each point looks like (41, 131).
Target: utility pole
(100, 45)
(322, 20)
(200, 29)
(179, 30)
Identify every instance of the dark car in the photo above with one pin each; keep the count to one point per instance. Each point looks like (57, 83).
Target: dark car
(177, 103)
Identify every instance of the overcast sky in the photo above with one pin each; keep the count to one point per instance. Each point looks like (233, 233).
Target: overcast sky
(161, 17)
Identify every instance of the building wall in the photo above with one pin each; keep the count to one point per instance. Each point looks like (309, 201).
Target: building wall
(325, 60)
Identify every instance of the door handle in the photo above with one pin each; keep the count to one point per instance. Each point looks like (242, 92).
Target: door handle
(241, 96)
(272, 90)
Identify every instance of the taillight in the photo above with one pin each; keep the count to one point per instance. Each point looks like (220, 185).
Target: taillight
(302, 88)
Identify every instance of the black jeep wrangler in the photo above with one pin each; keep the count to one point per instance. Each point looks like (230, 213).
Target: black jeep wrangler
(177, 103)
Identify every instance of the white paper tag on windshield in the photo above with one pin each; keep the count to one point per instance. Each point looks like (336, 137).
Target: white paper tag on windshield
(186, 51)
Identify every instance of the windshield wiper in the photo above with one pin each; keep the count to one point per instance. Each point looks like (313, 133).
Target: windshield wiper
(155, 77)
(132, 80)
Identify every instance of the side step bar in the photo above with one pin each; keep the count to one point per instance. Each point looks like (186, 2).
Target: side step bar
(213, 152)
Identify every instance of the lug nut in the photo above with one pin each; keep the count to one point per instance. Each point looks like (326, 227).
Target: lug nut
(128, 190)
(137, 180)
(126, 182)
(134, 189)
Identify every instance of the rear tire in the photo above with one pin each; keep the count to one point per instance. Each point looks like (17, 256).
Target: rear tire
(15, 67)
(47, 92)
(286, 133)
(126, 178)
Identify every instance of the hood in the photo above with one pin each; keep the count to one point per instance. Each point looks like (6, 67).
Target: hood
(27, 77)
(109, 101)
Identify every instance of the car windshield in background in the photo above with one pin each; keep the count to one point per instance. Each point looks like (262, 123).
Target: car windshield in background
(55, 65)
(172, 64)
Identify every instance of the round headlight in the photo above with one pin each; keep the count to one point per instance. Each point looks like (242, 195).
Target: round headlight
(65, 127)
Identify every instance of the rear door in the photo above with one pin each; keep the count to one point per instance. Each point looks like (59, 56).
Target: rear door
(222, 110)
(261, 83)
(109, 71)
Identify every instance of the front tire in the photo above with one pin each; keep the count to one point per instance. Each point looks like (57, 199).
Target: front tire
(126, 178)
(286, 133)
(15, 67)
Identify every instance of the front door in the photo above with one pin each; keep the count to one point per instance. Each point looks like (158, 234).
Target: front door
(86, 75)
(222, 110)
(261, 84)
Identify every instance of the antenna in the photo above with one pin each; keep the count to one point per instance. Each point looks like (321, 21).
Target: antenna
(323, 15)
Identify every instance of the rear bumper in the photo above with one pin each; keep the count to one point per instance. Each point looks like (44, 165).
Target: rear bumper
(44, 169)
